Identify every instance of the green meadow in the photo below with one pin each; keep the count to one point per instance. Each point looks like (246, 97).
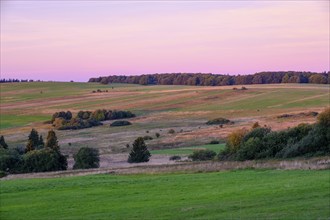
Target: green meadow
(238, 194)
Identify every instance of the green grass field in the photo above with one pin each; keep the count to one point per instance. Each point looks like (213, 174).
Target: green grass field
(189, 150)
(241, 194)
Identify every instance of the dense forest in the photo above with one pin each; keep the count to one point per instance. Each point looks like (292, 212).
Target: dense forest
(208, 79)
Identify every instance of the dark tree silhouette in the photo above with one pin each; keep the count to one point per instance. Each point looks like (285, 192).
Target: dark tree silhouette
(140, 152)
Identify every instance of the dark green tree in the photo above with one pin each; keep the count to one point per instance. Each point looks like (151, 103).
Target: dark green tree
(3, 143)
(41, 142)
(140, 152)
(33, 141)
(51, 141)
(86, 158)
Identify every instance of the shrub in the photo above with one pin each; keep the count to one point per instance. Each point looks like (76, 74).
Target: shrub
(324, 118)
(255, 125)
(10, 160)
(139, 152)
(86, 158)
(157, 135)
(120, 123)
(2, 174)
(3, 143)
(250, 149)
(171, 131)
(235, 139)
(218, 121)
(175, 157)
(200, 155)
(147, 138)
(258, 132)
(214, 142)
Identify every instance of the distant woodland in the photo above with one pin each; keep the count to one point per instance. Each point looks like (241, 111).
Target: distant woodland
(208, 79)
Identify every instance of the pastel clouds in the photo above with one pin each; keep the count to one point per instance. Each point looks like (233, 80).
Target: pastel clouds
(84, 39)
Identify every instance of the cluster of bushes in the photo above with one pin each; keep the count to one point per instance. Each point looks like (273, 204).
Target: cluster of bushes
(99, 91)
(86, 119)
(301, 114)
(201, 155)
(219, 121)
(208, 79)
(262, 142)
(36, 157)
(242, 88)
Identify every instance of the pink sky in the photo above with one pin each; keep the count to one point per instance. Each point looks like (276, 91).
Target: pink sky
(76, 40)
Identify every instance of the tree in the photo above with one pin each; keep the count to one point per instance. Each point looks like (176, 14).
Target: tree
(52, 142)
(140, 152)
(3, 143)
(41, 143)
(33, 141)
(86, 158)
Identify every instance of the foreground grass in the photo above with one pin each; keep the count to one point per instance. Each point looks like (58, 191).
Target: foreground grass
(246, 194)
(189, 150)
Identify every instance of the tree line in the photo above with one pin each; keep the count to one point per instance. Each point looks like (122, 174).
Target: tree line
(17, 80)
(208, 79)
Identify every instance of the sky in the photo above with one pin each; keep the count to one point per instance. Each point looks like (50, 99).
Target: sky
(76, 40)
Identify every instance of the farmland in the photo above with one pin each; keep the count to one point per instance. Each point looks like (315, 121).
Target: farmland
(164, 189)
(159, 109)
(248, 194)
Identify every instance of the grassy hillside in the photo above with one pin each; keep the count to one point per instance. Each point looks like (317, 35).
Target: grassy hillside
(245, 194)
(159, 108)
(31, 102)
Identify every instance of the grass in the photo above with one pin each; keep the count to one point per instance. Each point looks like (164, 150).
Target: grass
(10, 121)
(241, 194)
(41, 98)
(189, 150)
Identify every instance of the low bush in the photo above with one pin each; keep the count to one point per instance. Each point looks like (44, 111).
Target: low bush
(120, 123)
(200, 155)
(218, 121)
(214, 142)
(175, 157)
(86, 158)
(147, 138)
(171, 131)
(157, 135)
